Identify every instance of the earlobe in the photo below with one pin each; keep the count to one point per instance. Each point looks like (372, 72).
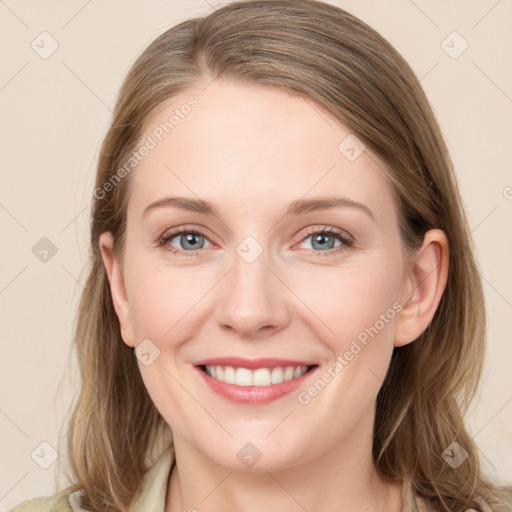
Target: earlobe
(117, 287)
(423, 287)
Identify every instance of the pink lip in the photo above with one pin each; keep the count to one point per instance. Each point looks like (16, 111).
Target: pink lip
(255, 395)
(251, 364)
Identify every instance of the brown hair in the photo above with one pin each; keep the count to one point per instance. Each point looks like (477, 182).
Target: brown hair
(326, 55)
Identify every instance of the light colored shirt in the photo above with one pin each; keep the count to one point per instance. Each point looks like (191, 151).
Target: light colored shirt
(154, 491)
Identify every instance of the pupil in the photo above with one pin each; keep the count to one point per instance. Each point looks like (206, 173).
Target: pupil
(190, 240)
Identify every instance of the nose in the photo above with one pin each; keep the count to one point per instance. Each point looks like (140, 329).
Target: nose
(254, 300)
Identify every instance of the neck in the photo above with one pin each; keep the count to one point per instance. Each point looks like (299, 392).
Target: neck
(343, 479)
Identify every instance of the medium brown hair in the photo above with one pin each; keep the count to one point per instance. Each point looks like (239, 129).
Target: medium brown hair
(326, 55)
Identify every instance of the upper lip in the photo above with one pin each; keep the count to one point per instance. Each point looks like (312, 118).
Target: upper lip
(240, 362)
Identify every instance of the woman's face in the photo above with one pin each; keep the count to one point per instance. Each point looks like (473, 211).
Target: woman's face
(256, 284)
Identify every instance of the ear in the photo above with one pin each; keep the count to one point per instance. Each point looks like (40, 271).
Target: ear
(117, 287)
(424, 286)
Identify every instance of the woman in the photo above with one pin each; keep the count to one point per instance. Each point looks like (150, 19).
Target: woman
(278, 238)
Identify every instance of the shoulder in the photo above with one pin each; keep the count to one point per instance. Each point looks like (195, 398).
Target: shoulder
(152, 496)
(422, 507)
(414, 503)
(57, 503)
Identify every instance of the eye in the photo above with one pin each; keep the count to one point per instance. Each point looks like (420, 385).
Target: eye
(185, 241)
(188, 242)
(325, 238)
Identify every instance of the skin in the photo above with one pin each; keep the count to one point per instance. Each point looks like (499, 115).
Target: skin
(251, 151)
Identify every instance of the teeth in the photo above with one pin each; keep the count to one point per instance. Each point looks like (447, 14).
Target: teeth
(259, 377)
(288, 373)
(243, 377)
(229, 374)
(277, 375)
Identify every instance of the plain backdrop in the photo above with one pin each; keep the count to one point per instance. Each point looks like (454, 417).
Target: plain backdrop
(55, 111)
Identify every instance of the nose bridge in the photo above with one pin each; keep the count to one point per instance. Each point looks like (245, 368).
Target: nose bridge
(254, 298)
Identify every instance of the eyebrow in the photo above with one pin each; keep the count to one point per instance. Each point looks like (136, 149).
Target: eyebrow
(299, 207)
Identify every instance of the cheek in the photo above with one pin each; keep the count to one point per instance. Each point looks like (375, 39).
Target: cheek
(162, 308)
(358, 307)
(151, 308)
(351, 299)
(162, 300)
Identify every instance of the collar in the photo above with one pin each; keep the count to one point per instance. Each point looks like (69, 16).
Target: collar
(154, 487)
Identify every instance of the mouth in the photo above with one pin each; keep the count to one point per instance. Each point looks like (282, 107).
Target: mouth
(261, 377)
(254, 381)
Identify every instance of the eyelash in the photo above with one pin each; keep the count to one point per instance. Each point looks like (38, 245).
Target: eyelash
(347, 242)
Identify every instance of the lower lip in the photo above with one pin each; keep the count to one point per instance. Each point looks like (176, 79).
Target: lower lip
(254, 394)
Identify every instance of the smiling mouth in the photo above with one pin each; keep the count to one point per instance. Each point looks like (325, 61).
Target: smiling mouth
(260, 377)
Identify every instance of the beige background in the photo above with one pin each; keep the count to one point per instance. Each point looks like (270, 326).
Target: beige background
(56, 111)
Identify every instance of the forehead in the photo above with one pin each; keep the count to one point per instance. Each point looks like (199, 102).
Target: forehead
(252, 145)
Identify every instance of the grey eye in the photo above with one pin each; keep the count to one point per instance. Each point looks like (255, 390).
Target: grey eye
(188, 240)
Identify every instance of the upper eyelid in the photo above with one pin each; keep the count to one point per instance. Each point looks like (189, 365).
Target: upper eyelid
(180, 231)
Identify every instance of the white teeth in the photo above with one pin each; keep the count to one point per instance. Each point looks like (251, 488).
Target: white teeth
(288, 373)
(229, 375)
(259, 377)
(243, 377)
(277, 376)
